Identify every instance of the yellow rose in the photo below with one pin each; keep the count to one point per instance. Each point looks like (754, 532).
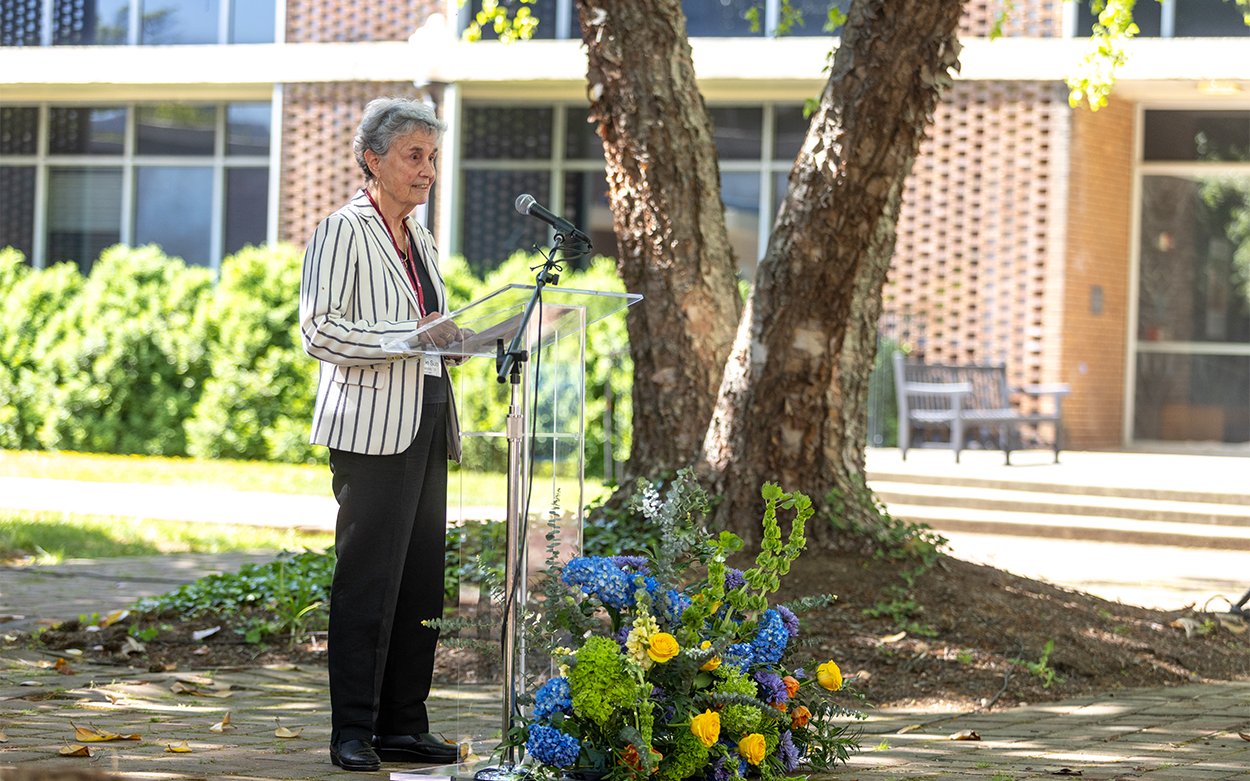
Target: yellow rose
(710, 664)
(663, 647)
(829, 676)
(752, 748)
(706, 727)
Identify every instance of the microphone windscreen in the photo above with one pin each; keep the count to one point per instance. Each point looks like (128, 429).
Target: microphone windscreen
(523, 203)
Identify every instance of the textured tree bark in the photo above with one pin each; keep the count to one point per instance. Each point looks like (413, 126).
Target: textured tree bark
(791, 407)
(664, 185)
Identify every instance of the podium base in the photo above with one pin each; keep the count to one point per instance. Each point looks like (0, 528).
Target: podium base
(478, 771)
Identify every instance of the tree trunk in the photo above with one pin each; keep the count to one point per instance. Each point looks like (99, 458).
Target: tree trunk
(792, 405)
(664, 185)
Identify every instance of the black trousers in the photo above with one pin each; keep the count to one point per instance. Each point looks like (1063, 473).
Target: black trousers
(390, 537)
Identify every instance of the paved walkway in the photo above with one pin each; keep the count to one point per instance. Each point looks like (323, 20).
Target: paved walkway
(1189, 732)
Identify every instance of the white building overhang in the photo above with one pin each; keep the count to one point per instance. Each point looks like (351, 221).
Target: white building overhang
(785, 69)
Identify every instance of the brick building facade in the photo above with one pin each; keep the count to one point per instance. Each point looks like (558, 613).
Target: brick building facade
(1069, 245)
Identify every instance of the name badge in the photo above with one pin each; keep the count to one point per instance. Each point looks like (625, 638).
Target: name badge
(432, 365)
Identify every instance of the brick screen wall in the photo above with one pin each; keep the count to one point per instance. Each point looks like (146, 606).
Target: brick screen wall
(967, 284)
(319, 171)
(1098, 256)
(1028, 19)
(330, 21)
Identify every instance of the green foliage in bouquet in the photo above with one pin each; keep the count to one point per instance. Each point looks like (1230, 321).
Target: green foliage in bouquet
(674, 665)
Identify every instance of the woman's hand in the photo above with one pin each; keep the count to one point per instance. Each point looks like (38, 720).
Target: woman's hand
(440, 335)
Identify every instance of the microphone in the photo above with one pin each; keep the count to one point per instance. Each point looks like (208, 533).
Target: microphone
(528, 205)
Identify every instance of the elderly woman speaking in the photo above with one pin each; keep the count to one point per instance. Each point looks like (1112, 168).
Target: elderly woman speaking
(371, 275)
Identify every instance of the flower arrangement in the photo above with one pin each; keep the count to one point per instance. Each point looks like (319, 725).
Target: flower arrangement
(674, 665)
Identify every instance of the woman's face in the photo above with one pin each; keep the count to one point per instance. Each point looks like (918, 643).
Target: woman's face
(406, 172)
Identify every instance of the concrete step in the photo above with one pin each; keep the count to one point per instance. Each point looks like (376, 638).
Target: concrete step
(1156, 492)
(1075, 527)
(1129, 507)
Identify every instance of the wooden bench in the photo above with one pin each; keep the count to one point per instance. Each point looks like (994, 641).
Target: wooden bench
(967, 400)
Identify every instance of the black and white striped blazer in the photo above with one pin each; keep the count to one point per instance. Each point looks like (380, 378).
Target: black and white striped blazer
(354, 295)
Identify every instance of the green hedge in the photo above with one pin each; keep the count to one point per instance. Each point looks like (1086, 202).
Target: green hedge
(146, 355)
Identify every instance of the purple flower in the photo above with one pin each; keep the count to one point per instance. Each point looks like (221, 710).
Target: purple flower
(799, 674)
(621, 636)
(789, 619)
(771, 687)
(719, 773)
(637, 564)
(734, 579)
(788, 751)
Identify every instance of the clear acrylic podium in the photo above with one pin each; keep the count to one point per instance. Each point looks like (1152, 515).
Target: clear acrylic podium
(547, 465)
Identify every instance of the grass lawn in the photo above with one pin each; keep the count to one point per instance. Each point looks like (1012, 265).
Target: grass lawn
(52, 537)
(309, 480)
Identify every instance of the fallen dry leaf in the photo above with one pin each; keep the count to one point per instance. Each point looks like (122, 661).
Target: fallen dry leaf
(965, 734)
(4, 738)
(73, 651)
(178, 748)
(1243, 736)
(1067, 771)
(63, 667)
(30, 683)
(181, 688)
(222, 725)
(75, 751)
(283, 732)
(113, 618)
(93, 735)
(133, 646)
(910, 728)
(894, 638)
(1190, 625)
(203, 633)
(43, 664)
(201, 650)
(112, 697)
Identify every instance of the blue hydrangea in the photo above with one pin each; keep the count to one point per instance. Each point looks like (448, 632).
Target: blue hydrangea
(554, 695)
(734, 579)
(771, 687)
(789, 619)
(738, 655)
(667, 606)
(600, 578)
(788, 752)
(770, 642)
(552, 747)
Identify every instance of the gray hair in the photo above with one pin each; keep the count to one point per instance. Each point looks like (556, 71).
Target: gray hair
(385, 120)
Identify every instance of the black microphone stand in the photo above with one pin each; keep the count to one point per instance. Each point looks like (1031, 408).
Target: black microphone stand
(508, 369)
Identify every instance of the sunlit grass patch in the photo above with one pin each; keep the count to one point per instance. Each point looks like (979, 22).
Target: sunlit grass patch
(311, 480)
(52, 537)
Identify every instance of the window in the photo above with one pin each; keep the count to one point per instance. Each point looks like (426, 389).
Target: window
(1192, 335)
(554, 154)
(704, 18)
(193, 178)
(1176, 19)
(122, 22)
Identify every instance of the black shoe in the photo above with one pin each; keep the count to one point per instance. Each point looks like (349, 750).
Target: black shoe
(415, 748)
(354, 755)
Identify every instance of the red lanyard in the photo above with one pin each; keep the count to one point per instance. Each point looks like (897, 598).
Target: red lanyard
(409, 261)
